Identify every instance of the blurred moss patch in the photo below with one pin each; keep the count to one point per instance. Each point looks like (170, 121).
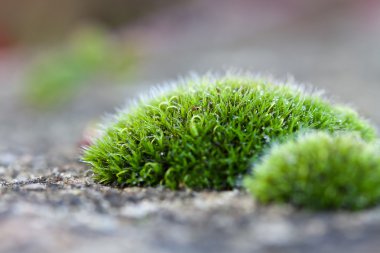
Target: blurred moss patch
(319, 171)
(55, 77)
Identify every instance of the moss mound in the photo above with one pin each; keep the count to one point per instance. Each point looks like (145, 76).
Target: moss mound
(203, 133)
(319, 171)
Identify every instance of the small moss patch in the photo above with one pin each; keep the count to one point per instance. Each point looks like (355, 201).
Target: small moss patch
(204, 133)
(319, 171)
(55, 77)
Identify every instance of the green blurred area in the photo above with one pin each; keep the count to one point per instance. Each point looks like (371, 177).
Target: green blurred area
(57, 74)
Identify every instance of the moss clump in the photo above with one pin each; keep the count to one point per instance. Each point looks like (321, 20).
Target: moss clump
(203, 133)
(319, 171)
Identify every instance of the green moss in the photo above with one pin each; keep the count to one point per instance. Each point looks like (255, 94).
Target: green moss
(57, 76)
(204, 132)
(319, 171)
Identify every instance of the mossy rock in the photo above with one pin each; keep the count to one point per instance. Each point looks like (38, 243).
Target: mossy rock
(319, 171)
(203, 133)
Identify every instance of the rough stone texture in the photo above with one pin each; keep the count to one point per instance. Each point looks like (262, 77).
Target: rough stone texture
(46, 208)
(49, 203)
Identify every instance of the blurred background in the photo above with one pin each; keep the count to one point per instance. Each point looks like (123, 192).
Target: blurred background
(65, 64)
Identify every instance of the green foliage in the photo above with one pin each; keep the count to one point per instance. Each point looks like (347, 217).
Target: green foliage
(319, 171)
(54, 79)
(203, 133)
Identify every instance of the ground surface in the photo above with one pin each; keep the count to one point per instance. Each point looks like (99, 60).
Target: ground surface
(48, 201)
